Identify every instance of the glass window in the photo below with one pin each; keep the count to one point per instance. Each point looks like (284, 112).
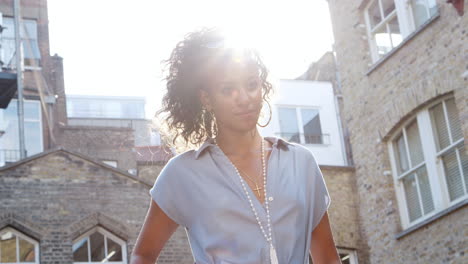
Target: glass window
(449, 143)
(412, 172)
(413, 153)
(311, 126)
(300, 125)
(383, 23)
(289, 125)
(31, 50)
(97, 246)
(9, 142)
(384, 27)
(422, 10)
(112, 163)
(16, 247)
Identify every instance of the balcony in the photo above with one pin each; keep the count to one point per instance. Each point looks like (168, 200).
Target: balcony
(9, 156)
(306, 139)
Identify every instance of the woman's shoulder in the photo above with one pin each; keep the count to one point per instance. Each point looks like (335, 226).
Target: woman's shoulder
(181, 160)
(298, 150)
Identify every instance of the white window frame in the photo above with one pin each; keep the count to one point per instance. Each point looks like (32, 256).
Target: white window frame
(433, 163)
(106, 234)
(352, 255)
(25, 237)
(405, 19)
(300, 124)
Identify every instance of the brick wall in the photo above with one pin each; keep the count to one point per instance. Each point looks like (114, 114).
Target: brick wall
(376, 103)
(58, 196)
(100, 143)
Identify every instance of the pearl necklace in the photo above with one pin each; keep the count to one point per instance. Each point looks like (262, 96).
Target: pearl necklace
(273, 256)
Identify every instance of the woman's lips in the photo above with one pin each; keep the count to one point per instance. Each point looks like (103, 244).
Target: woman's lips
(245, 113)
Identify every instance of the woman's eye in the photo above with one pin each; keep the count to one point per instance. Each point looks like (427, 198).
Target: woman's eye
(253, 85)
(226, 89)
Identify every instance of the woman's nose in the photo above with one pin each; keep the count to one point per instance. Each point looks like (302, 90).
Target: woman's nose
(243, 96)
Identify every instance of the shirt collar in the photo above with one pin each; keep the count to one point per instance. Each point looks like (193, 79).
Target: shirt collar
(276, 141)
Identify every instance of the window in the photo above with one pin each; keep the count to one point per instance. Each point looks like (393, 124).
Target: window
(98, 245)
(16, 247)
(112, 163)
(389, 22)
(28, 34)
(9, 142)
(347, 256)
(429, 162)
(95, 107)
(300, 125)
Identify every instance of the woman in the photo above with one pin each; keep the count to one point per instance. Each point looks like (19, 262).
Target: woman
(242, 198)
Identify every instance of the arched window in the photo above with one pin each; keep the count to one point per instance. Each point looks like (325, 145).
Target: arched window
(99, 245)
(16, 247)
(429, 163)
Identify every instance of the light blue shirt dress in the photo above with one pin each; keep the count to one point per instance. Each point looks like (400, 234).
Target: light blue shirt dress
(200, 190)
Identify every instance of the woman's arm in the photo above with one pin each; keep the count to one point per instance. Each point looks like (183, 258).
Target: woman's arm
(322, 246)
(156, 230)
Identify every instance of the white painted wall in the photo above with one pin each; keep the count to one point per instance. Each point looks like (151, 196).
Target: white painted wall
(317, 95)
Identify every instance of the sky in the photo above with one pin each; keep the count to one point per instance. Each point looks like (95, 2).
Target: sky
(115, 47)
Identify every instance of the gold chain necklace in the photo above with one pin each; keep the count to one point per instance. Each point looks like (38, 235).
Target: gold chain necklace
(257, 188)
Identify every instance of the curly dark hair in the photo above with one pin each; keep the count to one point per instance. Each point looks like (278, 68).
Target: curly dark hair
(186, 69)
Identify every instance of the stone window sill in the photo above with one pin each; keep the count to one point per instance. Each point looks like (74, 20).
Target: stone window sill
(406, 40)
(432, 219)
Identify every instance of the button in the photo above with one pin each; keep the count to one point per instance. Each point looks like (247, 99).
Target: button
(270, 198)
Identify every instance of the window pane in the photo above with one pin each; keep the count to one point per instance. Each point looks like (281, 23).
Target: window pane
(29, 37)
(452, 175)
(454, 120)
(400, 152)
(412, 199)
(31, 110)
(114, 250)
(8, 247)
(288, 124)
(33, 139)
(382, 40)
(374, 14)
(311, 124)
(97, 246)
(345, 258)
(432, 4)
(440, 127)
(425, 189)
(388, 6)
(414, 144)
(420, 12)
(395, 33)
(80, 251)
(26, 251)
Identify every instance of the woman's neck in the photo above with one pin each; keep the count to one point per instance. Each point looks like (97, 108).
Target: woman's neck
(239, 144)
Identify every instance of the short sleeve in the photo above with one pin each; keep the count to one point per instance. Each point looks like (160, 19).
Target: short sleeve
(167, 190)
(321, 198)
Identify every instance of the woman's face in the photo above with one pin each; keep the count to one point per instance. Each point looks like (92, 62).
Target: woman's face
(234, 95)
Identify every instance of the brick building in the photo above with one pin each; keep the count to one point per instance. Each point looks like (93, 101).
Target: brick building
(81, 193)
(404, 78)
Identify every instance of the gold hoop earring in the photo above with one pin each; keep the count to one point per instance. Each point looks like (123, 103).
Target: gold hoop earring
(269, 107)
(214, 126)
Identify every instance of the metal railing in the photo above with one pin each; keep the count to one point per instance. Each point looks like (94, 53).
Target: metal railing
(306, 139)
(9, 155)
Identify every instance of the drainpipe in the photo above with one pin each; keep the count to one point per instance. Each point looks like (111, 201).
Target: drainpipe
(19, 76)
